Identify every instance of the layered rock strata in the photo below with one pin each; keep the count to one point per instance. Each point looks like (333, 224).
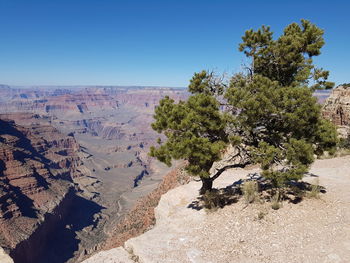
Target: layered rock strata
(38, 170)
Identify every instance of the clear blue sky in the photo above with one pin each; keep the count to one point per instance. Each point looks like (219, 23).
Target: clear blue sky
(105, 42)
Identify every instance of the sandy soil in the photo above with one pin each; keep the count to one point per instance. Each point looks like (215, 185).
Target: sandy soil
(314, 230)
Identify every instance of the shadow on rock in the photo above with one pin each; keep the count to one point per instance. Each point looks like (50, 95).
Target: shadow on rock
(293, 192)
(56, 241)
(218, 198)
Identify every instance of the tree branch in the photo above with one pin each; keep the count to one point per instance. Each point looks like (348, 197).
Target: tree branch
(223, 169)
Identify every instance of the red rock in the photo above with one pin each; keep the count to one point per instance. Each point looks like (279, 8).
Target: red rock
(37, 168)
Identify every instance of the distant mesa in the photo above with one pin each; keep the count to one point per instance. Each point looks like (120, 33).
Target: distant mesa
(82, 99)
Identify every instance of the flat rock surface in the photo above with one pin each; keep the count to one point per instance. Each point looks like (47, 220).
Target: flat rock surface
(118, 254)
(313, 230)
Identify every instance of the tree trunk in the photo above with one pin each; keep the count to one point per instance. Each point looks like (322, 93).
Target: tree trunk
(207, 182)
(207, 185)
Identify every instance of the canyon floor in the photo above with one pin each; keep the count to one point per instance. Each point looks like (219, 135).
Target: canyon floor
(313, 230)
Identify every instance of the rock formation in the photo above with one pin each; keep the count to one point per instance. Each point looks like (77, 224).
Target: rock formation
(39, 171)
(337, 106)
(101, 167)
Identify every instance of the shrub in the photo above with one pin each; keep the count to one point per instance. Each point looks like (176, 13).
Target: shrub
(315, 189)
(344, 143)
(250, 191)
(261, 215)
(275, 201)
(212, 200)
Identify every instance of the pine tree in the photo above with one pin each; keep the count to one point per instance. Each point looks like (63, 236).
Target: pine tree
(195, 129)
(268, 111)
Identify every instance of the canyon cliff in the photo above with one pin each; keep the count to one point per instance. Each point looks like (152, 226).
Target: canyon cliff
(82, 181)
(40, 171)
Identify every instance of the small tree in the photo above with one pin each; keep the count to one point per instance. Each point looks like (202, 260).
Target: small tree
(195, 129)
(268, 111)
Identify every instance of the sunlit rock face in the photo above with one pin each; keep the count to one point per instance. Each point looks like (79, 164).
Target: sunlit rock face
(337, 109)
(337, 106)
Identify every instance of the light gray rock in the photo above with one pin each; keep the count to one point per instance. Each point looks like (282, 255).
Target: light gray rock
(114, 255)
(337, 106)
(4, 258)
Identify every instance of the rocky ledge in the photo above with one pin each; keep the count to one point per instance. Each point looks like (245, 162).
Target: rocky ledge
(314, 230)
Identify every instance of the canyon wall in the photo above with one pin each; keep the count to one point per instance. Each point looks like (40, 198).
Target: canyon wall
(141, 217)
(40, 172)
(76, 170)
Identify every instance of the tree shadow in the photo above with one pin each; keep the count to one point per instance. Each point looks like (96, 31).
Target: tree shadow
(311, 174)
(294, 192)
(218, 198)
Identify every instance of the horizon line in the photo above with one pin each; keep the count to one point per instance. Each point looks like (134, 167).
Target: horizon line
(89, 85)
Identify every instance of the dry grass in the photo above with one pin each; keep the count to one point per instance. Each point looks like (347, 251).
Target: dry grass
(250, 191)
(342, 152)
(132, 255)
(315, 189)
(211, 200)
(339, 153)
(275, 201)
(261, 215)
